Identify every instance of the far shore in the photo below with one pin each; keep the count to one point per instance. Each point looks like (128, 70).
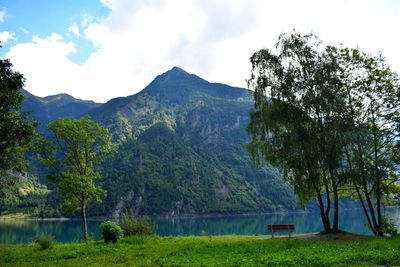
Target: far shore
(23, 216)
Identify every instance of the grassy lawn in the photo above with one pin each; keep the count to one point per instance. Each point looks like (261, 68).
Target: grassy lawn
(209, 251)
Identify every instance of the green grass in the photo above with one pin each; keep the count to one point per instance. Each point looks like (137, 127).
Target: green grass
(208, 251)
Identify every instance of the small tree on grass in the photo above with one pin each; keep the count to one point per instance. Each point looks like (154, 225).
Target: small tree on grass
(76, 148)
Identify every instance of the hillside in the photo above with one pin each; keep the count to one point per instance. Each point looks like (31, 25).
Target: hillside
(47, 109)
(180, 150)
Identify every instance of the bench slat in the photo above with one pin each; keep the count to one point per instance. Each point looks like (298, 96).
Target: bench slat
(281, 227)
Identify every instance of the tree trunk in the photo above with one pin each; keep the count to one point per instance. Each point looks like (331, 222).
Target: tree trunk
(371, 226)
(370, 223)
(378, 208)
(376, 227)
(336, 209)
(328, 201)
(85, 228)
(325, 220)
(378, 184)
(335, 184)
(364, 187)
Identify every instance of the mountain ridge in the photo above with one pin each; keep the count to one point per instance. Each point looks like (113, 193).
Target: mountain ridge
(47, 109)
(181, 151)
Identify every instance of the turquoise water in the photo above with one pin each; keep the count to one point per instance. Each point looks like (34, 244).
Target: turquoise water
(24, 231)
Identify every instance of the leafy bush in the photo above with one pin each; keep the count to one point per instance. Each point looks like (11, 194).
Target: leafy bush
(389, 228)
(45, 242)
(137, 227)
(111, 231)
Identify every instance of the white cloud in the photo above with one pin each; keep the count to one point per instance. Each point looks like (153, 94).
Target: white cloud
(2, 15)
(74, 29)
(6, 36)
(214, 39)
(46, 67)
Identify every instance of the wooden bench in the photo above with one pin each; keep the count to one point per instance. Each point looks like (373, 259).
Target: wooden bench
(280, 228)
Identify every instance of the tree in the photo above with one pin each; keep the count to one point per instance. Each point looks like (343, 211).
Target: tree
(294, 121)
(76, 148)
(16, 128)
(330, 118)
(372, 117)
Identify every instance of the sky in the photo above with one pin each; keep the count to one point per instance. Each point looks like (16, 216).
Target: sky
(101, 49)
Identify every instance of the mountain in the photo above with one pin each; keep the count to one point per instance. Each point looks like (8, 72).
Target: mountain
(182, 151)
(47, 109)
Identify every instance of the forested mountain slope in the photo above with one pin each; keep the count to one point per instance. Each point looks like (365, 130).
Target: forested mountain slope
(181, 149)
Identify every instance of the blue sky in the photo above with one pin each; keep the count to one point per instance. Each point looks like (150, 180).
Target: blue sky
(27, 18)
(101, 49)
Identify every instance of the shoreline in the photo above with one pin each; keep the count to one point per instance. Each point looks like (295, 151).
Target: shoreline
(27, 217)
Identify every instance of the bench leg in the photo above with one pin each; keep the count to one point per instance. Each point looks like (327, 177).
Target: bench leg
(272, 233)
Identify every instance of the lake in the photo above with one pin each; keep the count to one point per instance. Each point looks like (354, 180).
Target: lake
(26, 230)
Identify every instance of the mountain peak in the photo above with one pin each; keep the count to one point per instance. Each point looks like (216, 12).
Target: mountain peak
(176, 72)
(175, 77)
(176, 85)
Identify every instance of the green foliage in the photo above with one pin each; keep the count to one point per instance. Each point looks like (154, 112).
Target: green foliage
(389, 227)
(45, 242)
(133, 226)
(111, 231)
(29, 196)
(74, 153)
(329, 118)
(372, 133)
(294, 124)
(16, 128)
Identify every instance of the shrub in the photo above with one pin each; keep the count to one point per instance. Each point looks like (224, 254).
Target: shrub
(111, 231)
(137, 227)
(45, 242)
(389, 228)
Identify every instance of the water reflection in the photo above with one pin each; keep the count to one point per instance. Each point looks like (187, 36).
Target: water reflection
(23, 231)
